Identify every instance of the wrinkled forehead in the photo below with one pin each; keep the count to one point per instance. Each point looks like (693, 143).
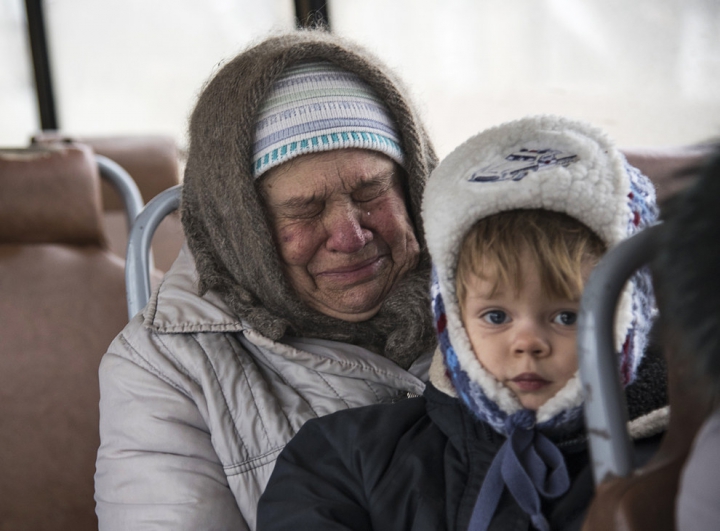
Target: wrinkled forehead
(322, 174)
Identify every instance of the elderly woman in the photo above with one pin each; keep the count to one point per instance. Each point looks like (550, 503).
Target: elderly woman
(303, 290)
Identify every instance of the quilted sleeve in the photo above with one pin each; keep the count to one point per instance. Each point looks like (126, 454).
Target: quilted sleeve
(156, 465)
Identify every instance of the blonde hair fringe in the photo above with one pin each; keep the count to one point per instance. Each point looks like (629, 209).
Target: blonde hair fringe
(558, 245)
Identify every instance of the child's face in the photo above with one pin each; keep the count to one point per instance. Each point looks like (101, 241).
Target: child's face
(526, 341)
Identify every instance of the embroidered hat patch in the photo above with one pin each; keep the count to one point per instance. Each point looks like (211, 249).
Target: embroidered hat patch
(519, 163)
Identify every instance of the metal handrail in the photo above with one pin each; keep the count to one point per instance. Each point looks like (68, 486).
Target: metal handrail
(124, 184)
(137, 259)
(605, 408)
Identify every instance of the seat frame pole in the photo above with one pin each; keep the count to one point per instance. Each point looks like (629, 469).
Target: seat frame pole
(137, 259)
(124, 184)
(605, 408)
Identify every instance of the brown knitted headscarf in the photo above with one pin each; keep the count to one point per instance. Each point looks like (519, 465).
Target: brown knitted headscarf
(228, 231)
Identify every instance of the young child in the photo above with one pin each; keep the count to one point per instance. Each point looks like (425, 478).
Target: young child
(515, 219)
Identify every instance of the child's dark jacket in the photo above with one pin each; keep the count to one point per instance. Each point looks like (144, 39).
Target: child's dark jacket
(414, 465)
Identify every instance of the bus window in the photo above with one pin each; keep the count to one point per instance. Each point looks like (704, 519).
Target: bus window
(647, 72)
(650, 77)
(18, 108)
(132, 67)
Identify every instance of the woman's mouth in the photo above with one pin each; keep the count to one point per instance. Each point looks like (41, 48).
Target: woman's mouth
(529, 381)
(354, 273)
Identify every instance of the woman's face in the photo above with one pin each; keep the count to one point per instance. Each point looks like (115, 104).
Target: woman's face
(342, 229)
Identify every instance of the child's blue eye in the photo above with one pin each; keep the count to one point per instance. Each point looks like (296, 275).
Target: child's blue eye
(566, 318)
(495, 317)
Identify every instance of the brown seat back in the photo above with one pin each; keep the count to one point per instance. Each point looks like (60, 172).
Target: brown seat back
(152, 162)
(62, 301)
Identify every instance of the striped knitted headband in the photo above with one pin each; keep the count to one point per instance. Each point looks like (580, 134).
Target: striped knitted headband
(314, 107)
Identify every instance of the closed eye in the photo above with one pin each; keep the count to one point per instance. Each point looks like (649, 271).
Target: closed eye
(300, 209)
(373, 189)
(366, 198)
(309, 212)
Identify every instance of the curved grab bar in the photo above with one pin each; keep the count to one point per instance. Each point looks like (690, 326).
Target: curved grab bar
(605, 408)
(137, 259)
(124, 184)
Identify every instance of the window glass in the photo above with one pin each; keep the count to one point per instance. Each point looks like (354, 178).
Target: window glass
(133, 66)
(646, 71)
(18, 107)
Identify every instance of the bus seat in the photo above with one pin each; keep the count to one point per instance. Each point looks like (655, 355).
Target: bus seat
(671, 169)
(627, 499)
(153, 162)
(62, 301)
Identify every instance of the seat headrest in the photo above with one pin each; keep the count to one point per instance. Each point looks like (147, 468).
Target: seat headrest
(50, 195)
(151, 160)
(671, 169)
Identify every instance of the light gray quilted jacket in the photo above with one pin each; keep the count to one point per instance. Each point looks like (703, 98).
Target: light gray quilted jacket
(195, 407)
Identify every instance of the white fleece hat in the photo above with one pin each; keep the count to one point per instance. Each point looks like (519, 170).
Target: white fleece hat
(543, 162)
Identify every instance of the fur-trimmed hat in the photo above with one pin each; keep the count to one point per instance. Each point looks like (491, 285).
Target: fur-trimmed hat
(543, 162)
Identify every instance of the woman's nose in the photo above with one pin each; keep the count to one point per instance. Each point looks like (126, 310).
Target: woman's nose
(346, 230)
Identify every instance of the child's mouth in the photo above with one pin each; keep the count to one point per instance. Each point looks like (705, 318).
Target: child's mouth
(529, 381)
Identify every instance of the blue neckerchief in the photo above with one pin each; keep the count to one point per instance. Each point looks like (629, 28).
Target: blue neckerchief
(529, 465)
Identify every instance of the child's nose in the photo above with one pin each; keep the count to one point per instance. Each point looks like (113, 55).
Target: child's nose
(530, 340)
